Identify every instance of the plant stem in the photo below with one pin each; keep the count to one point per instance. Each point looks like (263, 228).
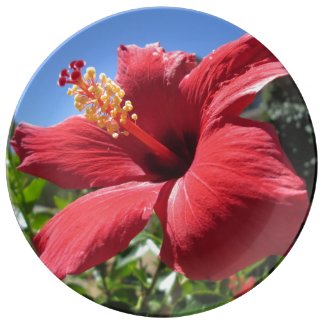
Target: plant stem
(101, 268)
(148, 291)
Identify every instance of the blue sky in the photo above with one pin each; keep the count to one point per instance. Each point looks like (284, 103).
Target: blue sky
(44, 103)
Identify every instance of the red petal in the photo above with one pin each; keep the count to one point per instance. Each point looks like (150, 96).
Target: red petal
(78, 154)
(95, 227)
(239, 202)
(227, 80)
(150, 77)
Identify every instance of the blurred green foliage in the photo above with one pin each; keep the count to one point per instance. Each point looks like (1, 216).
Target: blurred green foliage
(135, 281)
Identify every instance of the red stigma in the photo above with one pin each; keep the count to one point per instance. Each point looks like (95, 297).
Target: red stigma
(66, 76)
(64, 73)
(80, 64)
(75, 75)
(72, 64)
(62, 81)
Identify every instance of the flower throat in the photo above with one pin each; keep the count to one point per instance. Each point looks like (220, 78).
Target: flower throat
(103, 103)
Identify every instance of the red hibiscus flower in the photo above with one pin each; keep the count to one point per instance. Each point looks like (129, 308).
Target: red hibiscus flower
(223, 189)
(239, 285)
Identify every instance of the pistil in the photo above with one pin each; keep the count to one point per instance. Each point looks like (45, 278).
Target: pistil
(101, 101)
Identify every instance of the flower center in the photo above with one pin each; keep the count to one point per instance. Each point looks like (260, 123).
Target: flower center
(103, 103)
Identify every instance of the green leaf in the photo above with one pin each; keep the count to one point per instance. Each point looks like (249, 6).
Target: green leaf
(13, 158)
(197, 303)
(111, 284)
(15, 199)
(34, 190)
(154, 306)
(206, 298)
(141, 275)
(252, 267)
(199, 286)
(132, 256)
(124, 271)
(118, 305)
(78, 288)
(39, 219)
(126, 296)
(224, 288)
(187, 288)
(60, 202)
(145, 235)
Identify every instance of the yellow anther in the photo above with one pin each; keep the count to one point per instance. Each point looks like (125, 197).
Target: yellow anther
(91, 117)
(104, 97)
(91, 89)
(114, 89)
(128, 108)
(109, 91)
(113, 113)
(78, 106)
(91, 72)
(95, 105)
(90, 110)
(81, 98)
(121, 93)
(73, 90)
(98, 91)
(102, 77)
(117, 100)
(102, 121)
(101, 99)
